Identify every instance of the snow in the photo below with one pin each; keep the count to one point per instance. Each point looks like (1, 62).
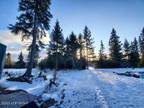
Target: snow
(36, 88)
(101, 89)
(47, 96)
(121, 70)
(92, 88)
(18, 72)
(121, 91)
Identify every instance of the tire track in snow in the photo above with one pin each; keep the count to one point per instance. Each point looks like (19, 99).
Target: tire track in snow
(99, 95)
(101, 98)
(82, 91)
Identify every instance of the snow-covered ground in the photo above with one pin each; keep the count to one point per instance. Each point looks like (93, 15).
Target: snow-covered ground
(121, 70)
(36, 88)
(95, 88)
(101, 89)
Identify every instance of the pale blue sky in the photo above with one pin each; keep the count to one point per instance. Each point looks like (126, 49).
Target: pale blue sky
(126, 16)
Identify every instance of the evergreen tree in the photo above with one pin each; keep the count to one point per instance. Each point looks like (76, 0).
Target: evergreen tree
(21, 58)
(126, 46)
(101, 63)
(89, 44)
(72, 46)
(81, 43)
(57, 44)
(69, 63)
(126, 54)
(115, 49)
(141, 42)
(32, 23)
(92, 54)
(102, 56)
(20, 63)
(134, 53)
(82, 61)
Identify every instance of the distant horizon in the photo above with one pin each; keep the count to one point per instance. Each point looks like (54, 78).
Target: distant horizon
(126, 16)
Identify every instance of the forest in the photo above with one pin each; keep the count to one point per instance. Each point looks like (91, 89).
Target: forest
(78, 52)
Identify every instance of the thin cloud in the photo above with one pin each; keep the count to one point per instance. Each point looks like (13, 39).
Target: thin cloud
(15, 45)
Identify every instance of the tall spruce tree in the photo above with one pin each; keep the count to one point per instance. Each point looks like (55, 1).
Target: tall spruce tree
(57, 44)
(115, 48)
(81, 43)
(72, 45)
(102, 56)
(134, 53)
(141, 43)
(92, 54)
(126, 47)
(82, 61)
(88, 44)
(32, 23)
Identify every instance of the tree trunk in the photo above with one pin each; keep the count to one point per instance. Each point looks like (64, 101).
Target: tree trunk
(32, 51)
(87, 58)
(56, 67)
(80, 53)
(74, 60)
(31, 61)
(80, 58)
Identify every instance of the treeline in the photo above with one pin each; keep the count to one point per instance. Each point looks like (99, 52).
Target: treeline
(77, 52)
(128, 54)
(20, 63)
(74, 52)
